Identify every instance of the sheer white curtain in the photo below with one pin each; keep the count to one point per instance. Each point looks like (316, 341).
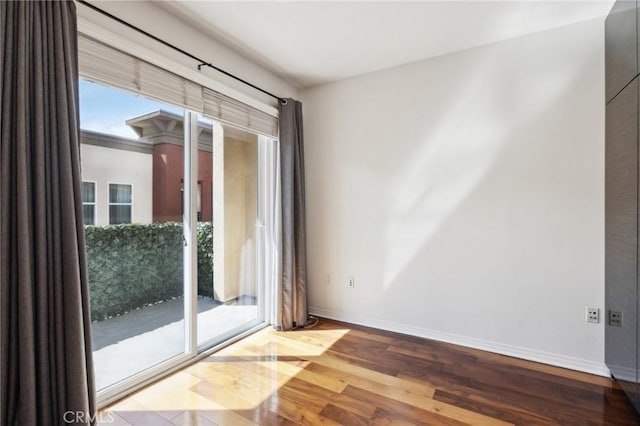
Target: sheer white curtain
(270, 236)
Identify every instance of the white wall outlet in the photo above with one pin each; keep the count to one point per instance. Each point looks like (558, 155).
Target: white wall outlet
(351, 282)
(593, 315)
(328, 279)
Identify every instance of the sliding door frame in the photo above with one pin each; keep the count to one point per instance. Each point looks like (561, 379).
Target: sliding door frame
(190, 276)
(134, 44)
(264, 175)
(190, 232)
(266, 242)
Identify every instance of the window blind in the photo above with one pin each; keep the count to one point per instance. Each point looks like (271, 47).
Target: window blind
(104, 64)
(229, 110)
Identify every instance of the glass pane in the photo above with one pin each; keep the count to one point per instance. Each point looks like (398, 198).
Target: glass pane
(227, 284)
(88, 192)
(119, 193)
(88, 214)
(136, 268)
(119, 214)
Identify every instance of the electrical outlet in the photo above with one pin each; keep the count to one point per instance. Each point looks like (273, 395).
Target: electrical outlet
(351, 282)
(328, 279)
(615, 318)
(593, 315)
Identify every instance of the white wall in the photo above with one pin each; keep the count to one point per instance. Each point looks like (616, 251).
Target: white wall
(107, 165)
(465, 194)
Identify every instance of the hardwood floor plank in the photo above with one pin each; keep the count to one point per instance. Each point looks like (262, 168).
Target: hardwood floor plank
(313, 398)
(386, 417)
(336, 379)
(371, 336)
(291, 367)
(517, 389)
(532, 386)
(330, 360)
(111, 418)
(169, 397)
(245, 375)
(308, 348)
(300, 415)
(225, 417)
(538, 405)
(430, 346)
(342, 374)
(425, 410)
(434, 356)
(225, 398)
(192, 418)
(491, 408)
(559, 379)
(559, 412)
(399, 391)
(552, 371)
(144, 418)
(343, 417)
(330, 324)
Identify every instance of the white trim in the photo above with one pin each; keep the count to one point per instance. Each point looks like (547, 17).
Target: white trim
(262, 279)
(130, 46)
(267, 254)
(95, 199)
(109, 203)
(217, 207)
(558, 360)
(190, 231)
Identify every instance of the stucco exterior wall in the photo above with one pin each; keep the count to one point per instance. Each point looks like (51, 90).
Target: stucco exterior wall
(234, 215)
(240, 198)
(107, 165)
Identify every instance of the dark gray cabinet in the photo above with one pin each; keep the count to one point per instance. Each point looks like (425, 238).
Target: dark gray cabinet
(621, 46)
(622, 215)
(621, 235)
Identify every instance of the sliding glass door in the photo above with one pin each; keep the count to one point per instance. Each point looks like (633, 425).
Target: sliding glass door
(174, 206)
(229, 296)
(132, 169)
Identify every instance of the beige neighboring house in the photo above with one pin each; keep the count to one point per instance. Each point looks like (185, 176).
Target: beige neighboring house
(140, 180)
(117, 179)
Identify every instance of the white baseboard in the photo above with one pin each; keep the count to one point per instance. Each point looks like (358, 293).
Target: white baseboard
(557, 360)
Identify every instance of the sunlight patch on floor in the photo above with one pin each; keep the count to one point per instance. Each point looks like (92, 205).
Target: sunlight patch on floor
(240, 377)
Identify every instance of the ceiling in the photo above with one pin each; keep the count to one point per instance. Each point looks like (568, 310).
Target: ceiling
(310, 43)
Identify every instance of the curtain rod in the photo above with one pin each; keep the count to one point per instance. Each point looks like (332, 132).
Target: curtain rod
(202, 63)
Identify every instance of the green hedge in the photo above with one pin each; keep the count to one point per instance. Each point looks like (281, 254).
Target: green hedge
(205, 259)
(133, 265)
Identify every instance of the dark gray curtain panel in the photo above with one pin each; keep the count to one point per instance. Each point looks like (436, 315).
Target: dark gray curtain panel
(46, 372)
(293, 297)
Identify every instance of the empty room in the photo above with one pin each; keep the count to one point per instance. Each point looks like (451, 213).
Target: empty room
(319, 212)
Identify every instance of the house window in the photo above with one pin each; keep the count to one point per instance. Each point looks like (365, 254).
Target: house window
(89, 203)
(120, 204)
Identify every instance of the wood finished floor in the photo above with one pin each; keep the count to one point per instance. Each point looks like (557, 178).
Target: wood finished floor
(342, 374)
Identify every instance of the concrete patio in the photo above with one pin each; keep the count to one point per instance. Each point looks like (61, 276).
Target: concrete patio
(137, 340)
